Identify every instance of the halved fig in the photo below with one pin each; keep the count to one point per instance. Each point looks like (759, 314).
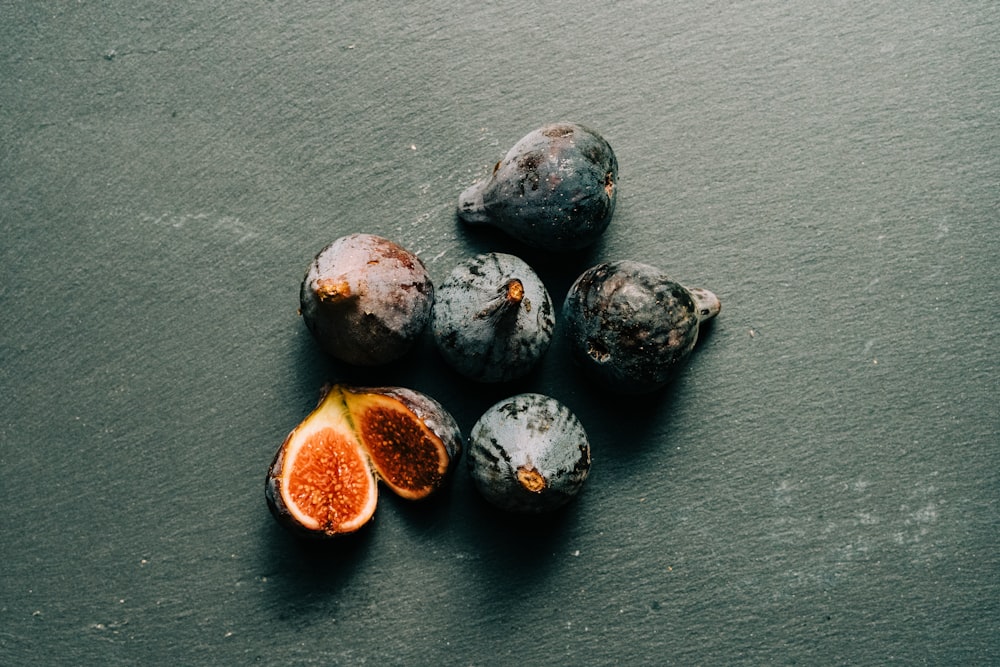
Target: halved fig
(410, 439)
(322, 480)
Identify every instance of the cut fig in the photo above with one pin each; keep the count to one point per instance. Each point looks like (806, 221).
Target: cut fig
(323, 479)
(409, 438)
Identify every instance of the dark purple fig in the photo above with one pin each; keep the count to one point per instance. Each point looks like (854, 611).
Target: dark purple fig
(492, 318)
(631, 326)
(529, 453)
(555, 189)
(322, 481)
(366, 299)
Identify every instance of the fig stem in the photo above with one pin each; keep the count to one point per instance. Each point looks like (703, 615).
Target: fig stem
(706, 303)
(509, 297)
(471, 208)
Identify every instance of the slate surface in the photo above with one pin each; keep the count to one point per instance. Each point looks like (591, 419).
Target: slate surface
(820, 485)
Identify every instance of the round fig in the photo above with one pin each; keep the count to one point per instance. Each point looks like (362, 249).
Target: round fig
(366, 299)
(322, 481)
(528, 453)
(492, 318)
(631, 326)
(555, 189)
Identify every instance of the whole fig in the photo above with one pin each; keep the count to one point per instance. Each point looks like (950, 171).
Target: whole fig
(492, 318)
(528, 453)
(366, 299)
(630, 325)
(555, 189)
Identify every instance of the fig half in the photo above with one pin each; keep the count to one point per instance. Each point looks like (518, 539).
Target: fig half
(323, 479)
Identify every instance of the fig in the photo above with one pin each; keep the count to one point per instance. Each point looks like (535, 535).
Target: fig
(492, 318)
(631, 326)
(366, 299)
(555, 189)
(323, 479)
(529, 454)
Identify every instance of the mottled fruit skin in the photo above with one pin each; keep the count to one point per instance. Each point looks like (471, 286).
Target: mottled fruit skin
(366, 299)
(555, 189)
(323, 479)
(492, 318)
(528, 454)
(631, 326)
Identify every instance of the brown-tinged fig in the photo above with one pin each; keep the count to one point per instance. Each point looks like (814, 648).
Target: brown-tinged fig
(366, 299)
(323, 479)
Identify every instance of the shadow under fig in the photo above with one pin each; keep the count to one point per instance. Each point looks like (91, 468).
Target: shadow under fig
(305, 571)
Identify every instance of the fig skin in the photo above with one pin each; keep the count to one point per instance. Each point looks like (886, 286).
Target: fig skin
(528, 454)
(631, 326)
(492, 318)
(370, 427)
(555, 189)
(366, 299)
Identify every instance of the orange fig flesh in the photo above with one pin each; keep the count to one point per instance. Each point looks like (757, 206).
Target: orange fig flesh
(321, 481)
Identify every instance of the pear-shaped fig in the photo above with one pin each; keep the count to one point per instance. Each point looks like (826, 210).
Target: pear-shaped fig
(492, 318)
(529, 453)
(555, 189)
(322, 481)
(631, 326)
(366, 299)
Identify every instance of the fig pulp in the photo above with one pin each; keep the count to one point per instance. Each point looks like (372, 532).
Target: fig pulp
(323, 479)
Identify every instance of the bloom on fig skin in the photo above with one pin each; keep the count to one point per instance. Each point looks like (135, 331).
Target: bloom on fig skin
(529, 454)
(492, 318)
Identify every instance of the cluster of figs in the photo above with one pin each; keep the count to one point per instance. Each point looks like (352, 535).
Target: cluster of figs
(367, 300)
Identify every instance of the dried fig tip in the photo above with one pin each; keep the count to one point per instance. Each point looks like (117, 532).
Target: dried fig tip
(531, 479)
(609, 184)
(515, 291)
(331, 290)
